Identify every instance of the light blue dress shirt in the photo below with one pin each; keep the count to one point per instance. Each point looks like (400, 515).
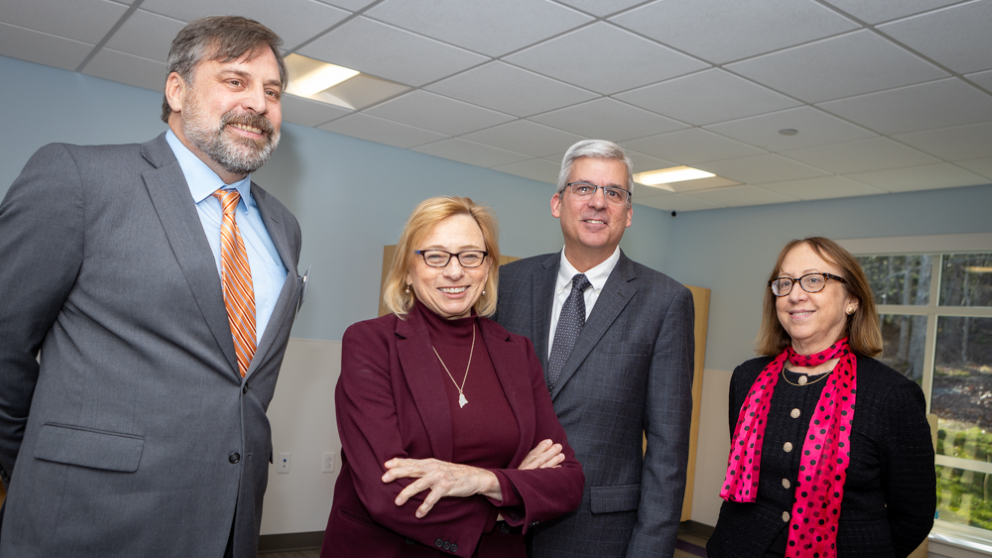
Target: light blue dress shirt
(267, 270)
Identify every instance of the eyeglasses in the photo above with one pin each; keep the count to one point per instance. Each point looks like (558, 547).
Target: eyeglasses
(440, 258)
(613, 194)
(811, 283)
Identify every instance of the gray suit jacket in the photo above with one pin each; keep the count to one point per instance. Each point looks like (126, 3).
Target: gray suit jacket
(136, 435)
(630, 371)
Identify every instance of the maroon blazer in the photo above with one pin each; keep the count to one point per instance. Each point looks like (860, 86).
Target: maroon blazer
(390, 403)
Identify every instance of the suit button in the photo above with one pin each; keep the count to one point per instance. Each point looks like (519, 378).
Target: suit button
(786, 484)
(447, 546)
(785, 517)
(787, 447)
(504, 528)
(439, 543)
(410, 541)
(454, 547)
(795, 413)
(234, 457)
(244, 389)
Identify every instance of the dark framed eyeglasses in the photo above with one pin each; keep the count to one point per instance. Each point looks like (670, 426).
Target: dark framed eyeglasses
(613, 194)
(441, 258)
(811, 283)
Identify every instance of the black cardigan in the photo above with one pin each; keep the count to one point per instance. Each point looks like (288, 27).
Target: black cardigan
(890, 492)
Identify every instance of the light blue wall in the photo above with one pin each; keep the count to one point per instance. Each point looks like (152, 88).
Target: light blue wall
(350, 196)
(732, 251)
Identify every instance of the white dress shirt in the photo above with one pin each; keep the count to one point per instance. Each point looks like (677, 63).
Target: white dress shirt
(597, 277)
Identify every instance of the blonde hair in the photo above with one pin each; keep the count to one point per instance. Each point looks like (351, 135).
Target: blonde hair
(863, 327)
(422, 221)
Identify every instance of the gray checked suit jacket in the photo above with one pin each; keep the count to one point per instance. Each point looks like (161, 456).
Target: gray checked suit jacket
(630, 371)
(136, 435)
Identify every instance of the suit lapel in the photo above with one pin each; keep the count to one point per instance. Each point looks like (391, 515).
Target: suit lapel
(515, 382)
(544, 296)
(619, 289)
(175, 208)
(286, 303)
(424, 377)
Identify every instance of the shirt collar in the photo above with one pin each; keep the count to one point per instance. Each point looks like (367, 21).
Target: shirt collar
(202, 180)
(597, 276)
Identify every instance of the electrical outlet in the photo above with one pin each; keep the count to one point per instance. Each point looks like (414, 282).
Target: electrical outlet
(282, 466)
(327, 464)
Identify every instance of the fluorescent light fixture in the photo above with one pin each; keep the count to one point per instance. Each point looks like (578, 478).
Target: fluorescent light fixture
(323, 77)
(978, 269)
(669, 175)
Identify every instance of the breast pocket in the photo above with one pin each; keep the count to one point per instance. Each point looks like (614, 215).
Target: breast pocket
(86, 447)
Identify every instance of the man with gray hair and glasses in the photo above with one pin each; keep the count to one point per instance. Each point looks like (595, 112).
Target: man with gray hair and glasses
(159, 284)
(616, 342)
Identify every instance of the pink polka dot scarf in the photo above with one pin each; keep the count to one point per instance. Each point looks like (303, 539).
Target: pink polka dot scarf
(825, 457)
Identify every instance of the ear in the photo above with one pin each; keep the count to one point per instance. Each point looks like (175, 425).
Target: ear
(175, 91)
(556, 205)
(630, 214)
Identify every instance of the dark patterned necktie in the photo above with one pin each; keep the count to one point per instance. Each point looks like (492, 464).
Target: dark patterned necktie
(570, 322)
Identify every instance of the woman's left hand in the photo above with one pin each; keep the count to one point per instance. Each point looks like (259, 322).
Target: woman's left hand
(443, 479)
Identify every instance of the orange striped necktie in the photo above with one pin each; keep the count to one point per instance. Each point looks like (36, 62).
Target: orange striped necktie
(239, 295)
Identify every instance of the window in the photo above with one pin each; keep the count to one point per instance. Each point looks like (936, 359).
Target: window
(936, 311)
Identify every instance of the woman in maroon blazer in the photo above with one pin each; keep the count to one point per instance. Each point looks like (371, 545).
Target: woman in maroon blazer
(450, 442)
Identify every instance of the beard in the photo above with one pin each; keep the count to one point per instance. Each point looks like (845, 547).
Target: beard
(237, 155)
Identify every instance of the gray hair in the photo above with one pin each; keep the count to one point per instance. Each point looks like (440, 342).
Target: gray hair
(597, 149)
(226, 38)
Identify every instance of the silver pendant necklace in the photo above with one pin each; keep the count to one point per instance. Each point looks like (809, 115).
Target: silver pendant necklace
(461, 394)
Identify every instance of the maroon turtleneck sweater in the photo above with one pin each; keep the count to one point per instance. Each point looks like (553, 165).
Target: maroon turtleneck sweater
(484, 432)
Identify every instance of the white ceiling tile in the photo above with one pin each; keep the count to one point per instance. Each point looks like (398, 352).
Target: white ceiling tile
(41, 48)
(938, 104)
(378, 130)
(309, 113)
(739, 196)
(675, 202)
(982, 79)
(957, 36)
(470, 152)
(980, 166)
(87, 21)
(852, 64)
(491, 28)
(421, 109)
(761, 168)
(877, 11)
(926, 177)
(535, 169)
(524, 136)
(509, 89)
(688, 147)
(350, 5)
(954, 144)
(860, 156)
(293, 20)
(126, 68)
(643, 162)
(686, 186)
(815, 127)
(822, 188)
(612, 59)
(601, 8)
(719, 31)
(707, 97)
(146, 35)
(389, 52)
(608, 119)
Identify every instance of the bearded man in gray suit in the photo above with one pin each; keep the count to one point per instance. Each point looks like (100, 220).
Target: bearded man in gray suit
(616, 342)
(159, 285)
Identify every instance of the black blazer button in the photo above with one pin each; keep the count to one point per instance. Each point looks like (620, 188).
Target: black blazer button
(244, 389)
(447, 546)
(454, 547)
(504, 528)
(439, 543)
(234, 457)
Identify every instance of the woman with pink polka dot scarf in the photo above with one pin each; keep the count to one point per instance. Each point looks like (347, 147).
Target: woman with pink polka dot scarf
(831, 454)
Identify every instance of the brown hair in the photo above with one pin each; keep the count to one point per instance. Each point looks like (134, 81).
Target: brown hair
(425, 216)
(863, 327)
(227, 38)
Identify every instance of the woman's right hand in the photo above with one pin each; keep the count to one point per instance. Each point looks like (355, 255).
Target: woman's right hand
(545, 455)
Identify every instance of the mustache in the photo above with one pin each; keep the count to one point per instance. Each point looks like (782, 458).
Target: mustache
(248, 119)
